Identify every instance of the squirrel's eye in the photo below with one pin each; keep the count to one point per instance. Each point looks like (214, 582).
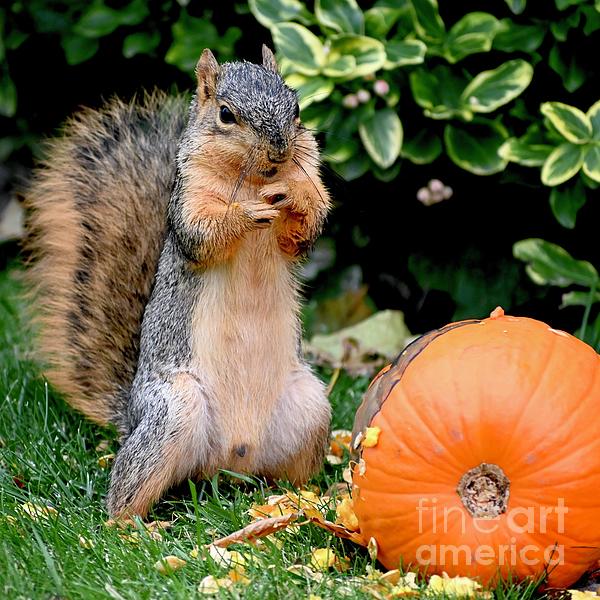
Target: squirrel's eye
(226, 115)
(297, 111)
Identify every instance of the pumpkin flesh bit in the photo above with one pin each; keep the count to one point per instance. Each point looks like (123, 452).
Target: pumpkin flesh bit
(508, 392)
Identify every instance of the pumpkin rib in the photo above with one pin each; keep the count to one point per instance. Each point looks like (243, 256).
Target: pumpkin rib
(369, 409)
(462, 417)
(413, 538)
(428, 430)
(536, 542)
(592, 442)
(379, 492)
(575, 545)
(521, 417)
(578, 478)
(385, 425)
(578, 406)
(556, 463)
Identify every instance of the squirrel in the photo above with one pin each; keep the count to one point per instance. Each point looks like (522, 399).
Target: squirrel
(165, 239)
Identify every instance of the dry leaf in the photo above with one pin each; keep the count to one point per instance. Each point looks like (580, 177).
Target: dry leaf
(225, 558)
(307, 495)
(155, 525)
(275, 506)
(342, 563)
(347, 475)
(372, 548)
(36, 511)
(104, 461)
(153, 528)
(306, 572)
(361, 348)
(339, 530)
(285, 509)
(238, 576)
(132, 538)
(582, 595)
(169, 564)
(306, 501)
(322, 559)
(371, 437)
(389, 585)
(405, 583)
(257, 529)
(262, 545)
(221, 556)
(86, 543)
(210, 585)
(120, 523)
(361, 467)
(345, 514)
(340, 441)
(332, 459)
(456, 586)
(237, 559)
(392, 577)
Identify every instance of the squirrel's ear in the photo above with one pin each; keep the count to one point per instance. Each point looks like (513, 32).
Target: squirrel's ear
(207, 70)
(268, 57)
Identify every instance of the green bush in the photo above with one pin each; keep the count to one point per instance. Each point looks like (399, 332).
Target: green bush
(481, 88)
(138, 27)
(358, 73)
(392, 87)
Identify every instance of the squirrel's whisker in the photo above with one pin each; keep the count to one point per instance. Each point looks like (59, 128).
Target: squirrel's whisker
(308, 177)
(247, 164)
(308, 157)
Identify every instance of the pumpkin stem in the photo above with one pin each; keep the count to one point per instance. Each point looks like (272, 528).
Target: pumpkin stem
(484, 491)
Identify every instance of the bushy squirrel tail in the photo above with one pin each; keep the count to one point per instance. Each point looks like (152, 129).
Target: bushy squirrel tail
(97, 216)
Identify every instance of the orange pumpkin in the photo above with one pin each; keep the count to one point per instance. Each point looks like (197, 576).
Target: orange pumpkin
(488, 456)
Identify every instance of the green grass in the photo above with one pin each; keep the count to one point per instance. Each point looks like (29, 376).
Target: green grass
(48, 457)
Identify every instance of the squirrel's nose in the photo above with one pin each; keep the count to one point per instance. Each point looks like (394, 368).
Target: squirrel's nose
(278, 149)
(278, 156)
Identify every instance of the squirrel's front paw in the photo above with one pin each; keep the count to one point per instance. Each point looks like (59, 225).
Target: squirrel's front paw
(260, 214)
(277, 194)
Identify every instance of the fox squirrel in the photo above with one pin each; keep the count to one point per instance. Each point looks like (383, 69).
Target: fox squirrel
(165, 251)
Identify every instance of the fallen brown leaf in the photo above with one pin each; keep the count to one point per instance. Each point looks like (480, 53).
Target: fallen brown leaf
(104, 461)
(86, 543)
(340, 441)
(339, 530)
(120, 523)
(345, 514)
(168, 564)
(256, 530)
(37, 511)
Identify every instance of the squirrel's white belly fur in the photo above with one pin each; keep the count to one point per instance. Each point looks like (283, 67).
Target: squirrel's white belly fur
(244, 339)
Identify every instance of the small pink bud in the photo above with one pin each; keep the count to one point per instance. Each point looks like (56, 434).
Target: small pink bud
(435, 185)
(381, 87)
(424, 196)
(350, 101)
(363, 96)
(447, 192)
